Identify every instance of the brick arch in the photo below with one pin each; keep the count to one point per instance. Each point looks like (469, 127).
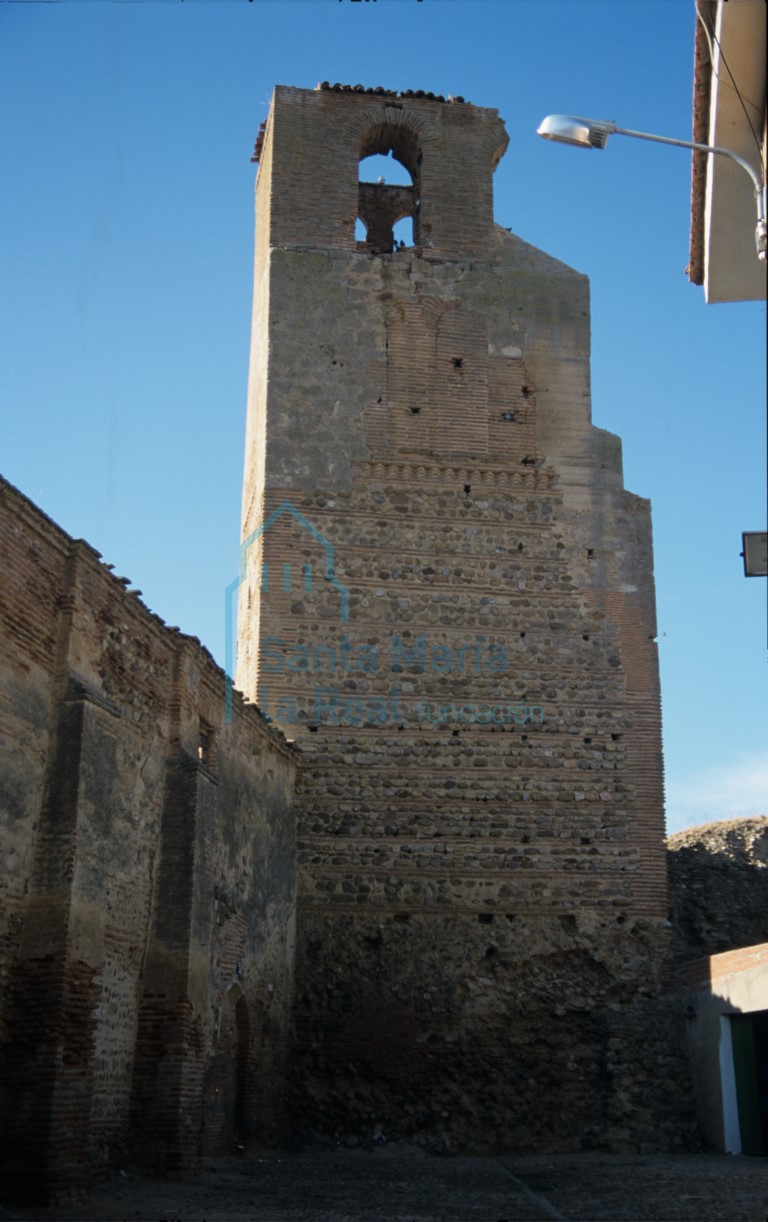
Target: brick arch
(433, 404)
(380, 207)
(435, 307)
(410, 374)
(403, 131)
(409, 137)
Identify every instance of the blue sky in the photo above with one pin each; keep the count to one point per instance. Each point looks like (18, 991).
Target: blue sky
(126, 232)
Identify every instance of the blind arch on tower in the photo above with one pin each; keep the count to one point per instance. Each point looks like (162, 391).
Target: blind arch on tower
(437, 378)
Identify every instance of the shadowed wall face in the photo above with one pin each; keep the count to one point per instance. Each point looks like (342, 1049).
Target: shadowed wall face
(148, 898)
(448, 602)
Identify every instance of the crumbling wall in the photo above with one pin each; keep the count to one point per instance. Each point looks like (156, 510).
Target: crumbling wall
(718, 887)
(150, 878)
(494, 1033)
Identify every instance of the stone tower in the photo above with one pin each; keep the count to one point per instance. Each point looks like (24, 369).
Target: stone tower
(447, 601)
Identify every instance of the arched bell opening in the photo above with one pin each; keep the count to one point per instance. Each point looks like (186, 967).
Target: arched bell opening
(382, 235)
(402, 232)
(388, 193)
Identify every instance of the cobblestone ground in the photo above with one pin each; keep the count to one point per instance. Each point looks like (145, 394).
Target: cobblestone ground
(397, 1185)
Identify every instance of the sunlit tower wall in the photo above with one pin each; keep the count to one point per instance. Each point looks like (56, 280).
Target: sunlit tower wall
(448, 603)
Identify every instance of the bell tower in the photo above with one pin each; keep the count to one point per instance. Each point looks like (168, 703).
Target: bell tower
(447, 601)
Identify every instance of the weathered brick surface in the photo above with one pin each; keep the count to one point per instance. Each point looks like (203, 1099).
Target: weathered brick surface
(448, 601)
(143, 886)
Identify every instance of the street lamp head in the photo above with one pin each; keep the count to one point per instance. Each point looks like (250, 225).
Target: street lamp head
(569, 129)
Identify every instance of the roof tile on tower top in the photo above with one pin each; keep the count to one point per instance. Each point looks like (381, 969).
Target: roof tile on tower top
(374, 91)
(380, 91)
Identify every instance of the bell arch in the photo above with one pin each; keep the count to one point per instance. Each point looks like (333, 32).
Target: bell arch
(382, 205)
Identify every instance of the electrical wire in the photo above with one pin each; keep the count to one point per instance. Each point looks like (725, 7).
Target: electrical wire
(710, 35)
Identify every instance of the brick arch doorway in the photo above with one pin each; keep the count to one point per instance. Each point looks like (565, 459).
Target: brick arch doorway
(225, 1086)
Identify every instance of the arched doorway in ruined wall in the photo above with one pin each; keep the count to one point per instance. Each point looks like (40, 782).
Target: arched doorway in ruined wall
(225, 1085)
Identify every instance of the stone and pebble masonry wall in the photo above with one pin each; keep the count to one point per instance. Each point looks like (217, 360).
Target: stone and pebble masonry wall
(147, 938)
(451, 609)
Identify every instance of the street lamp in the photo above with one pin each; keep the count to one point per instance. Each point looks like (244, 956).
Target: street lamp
(594, 133)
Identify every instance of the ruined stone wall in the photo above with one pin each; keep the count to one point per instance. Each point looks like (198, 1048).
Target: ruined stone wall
(448, 601)
(718, 886)
(148, 890)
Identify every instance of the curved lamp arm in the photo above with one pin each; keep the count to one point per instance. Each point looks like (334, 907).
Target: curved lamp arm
(594, 133)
